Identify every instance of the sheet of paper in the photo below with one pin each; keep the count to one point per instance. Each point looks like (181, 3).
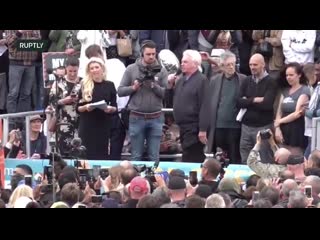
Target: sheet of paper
(101, 105)
(3, 49)
(241, 114)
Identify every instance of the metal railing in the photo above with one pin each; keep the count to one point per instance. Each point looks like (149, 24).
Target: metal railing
(315, 141)
(27, 115)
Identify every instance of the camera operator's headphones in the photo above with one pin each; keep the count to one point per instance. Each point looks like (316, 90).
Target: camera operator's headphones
(145, 44)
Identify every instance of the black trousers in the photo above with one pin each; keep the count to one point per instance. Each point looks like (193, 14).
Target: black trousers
(194, 153)
(117, 137)
(229, 140)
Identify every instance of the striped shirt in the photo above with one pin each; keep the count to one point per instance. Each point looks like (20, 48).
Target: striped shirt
(26, 58)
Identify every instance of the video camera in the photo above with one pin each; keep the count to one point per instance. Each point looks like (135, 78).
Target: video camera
(148, 73)
(223, 159)
(148, 172)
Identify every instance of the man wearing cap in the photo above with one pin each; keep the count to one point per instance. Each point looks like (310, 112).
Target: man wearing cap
(138, 188)
(177, 190)
(16, 146)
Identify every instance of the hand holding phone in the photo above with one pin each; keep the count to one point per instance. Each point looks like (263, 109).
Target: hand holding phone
(308, 191)
(193, 178)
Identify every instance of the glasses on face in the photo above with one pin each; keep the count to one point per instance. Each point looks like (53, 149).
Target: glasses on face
(202, 166)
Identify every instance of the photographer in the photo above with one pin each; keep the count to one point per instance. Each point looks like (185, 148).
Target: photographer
(145, 82)
(267, 170)
(16, 146)
(64, 101)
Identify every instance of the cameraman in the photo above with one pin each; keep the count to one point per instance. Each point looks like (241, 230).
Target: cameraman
(145, 84)
(267, 170)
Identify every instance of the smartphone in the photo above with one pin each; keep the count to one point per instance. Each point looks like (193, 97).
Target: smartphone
(255, 196)
(28, 180)
(96, 198)
(48, 173)
(81, 206)
(82, 181)
(193, 178)
(308, 191)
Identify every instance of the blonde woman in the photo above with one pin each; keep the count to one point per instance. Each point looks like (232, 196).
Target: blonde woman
(94, 125)
(20, 191)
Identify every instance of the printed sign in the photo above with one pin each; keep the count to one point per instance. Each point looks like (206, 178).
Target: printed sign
(51, 61)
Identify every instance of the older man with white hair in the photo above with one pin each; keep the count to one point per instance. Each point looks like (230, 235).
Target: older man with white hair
(191, 106)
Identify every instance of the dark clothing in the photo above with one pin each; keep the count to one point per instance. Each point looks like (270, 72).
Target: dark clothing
(229, 140)
(117, 137)
(146, 99)
(132, 203)
(216, 85)
(67, 116)
(190, 108)
(191, 101)
(36, 146)
(193, 153)
(181, 40)
(266, 88)
(227, 109)
(158, 36)
(94, 126)
(212, 184)
(293, 132)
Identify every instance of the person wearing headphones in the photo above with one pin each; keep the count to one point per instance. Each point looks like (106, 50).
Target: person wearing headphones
(145, 82)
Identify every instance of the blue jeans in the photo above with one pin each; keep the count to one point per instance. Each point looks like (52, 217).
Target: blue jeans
(21, 79)
(141, 129)
(308, 149)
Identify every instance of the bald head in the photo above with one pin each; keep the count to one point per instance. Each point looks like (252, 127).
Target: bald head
(281, 156)
(257, 65)
(126, 164)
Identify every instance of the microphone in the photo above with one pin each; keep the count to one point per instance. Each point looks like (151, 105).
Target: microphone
(179, 71)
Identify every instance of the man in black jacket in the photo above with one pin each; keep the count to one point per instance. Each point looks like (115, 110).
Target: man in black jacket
(257, 95)
(190, 107)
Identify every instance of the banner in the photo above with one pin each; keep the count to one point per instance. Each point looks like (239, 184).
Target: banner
(50, 62)
(2, 171)
(239, 172)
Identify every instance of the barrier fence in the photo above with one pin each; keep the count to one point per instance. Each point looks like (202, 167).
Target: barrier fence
(27, 115)
(315, 142)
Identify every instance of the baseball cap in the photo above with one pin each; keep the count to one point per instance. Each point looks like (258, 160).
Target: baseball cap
(35, 117)
(139, 185)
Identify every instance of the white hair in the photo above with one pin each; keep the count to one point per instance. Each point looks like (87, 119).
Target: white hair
(193, 55)
(215, 201)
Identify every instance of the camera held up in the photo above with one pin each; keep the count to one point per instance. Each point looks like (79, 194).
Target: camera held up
(148, 73)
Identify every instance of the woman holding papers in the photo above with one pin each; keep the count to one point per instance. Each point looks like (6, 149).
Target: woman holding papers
(97, 100)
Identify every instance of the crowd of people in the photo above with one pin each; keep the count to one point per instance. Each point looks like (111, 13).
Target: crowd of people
(251, 93)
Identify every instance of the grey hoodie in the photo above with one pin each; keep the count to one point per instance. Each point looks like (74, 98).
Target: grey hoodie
(146, 99)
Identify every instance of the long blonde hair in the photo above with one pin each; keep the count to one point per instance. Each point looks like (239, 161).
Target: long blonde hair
(20, 191)
(87, 82)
